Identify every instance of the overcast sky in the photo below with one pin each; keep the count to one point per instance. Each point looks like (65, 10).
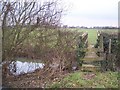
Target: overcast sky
(91, 13)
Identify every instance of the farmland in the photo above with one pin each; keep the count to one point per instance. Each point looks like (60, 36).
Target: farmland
(92, 33)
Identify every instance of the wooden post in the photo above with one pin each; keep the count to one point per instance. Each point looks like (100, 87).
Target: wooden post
(109, 46)
(101, 43)
(104, 62)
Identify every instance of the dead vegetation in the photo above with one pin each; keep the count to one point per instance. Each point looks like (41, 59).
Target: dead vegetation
(32, 30)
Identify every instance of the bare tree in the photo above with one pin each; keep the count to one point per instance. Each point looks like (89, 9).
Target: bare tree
(19, 19)
(26, 23)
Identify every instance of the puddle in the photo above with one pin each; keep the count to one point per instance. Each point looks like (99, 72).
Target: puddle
(18, 67)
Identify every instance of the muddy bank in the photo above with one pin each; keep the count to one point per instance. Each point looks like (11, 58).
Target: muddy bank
(34, 79)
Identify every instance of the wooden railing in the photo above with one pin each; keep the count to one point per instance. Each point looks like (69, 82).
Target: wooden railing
(105, 48)
(84, 39)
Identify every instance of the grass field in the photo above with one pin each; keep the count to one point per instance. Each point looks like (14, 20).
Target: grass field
(92, 33)
(79, 80)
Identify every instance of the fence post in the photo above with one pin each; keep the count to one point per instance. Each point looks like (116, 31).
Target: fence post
(104, 63)
(101, 43)
(109, 46)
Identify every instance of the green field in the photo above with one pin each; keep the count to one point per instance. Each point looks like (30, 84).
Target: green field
(92, 33)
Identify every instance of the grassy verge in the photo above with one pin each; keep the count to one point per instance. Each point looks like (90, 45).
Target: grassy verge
(77, 80)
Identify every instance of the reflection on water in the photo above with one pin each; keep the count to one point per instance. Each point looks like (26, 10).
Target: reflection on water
(19, 67)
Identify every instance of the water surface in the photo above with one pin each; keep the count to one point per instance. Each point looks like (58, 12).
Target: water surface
(19, 67)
